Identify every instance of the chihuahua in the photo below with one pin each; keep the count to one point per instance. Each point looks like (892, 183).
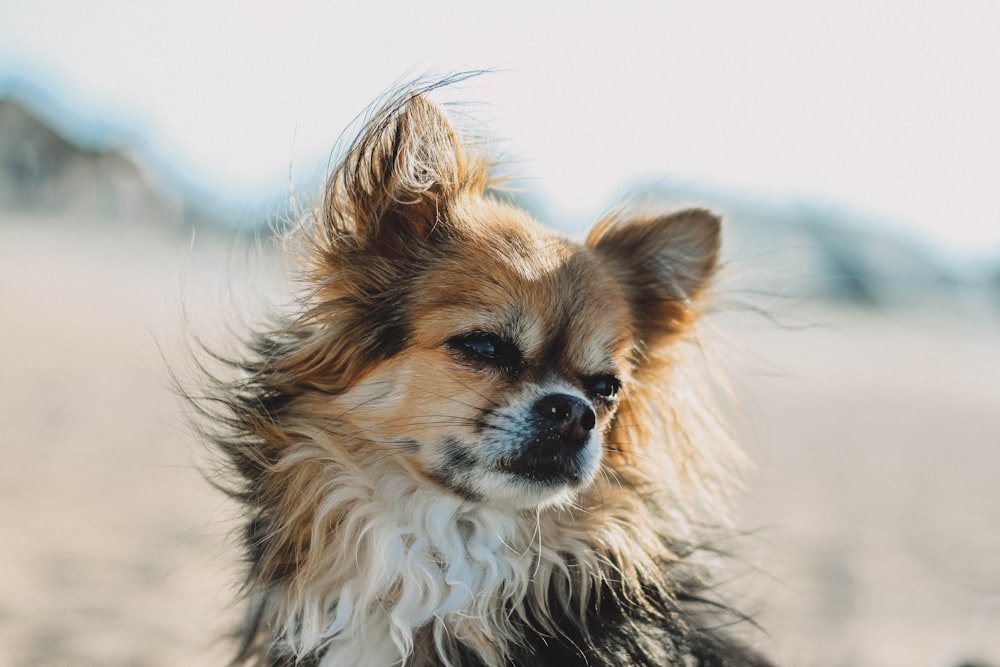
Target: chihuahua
(475, 442)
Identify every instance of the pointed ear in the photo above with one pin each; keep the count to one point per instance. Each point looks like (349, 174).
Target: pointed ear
(401, 176)
(664, 264)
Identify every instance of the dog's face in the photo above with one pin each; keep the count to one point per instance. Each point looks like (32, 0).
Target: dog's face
(490, 353)
(518, 346)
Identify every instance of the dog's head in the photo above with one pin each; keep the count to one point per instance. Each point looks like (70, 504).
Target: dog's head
(448, 328)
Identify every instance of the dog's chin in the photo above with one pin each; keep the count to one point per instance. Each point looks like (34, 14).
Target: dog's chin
(536, 489)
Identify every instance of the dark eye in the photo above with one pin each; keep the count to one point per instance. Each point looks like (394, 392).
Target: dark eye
(605, 387)
(483, 347)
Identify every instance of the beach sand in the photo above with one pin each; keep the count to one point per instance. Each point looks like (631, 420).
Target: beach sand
(873, 518)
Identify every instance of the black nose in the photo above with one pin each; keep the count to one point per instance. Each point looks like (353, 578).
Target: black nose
(571, 417)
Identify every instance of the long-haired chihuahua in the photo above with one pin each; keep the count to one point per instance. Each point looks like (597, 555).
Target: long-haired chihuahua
(475, 442)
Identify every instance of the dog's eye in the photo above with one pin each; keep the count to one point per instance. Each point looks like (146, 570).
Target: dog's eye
(605, 387)
(487, 347)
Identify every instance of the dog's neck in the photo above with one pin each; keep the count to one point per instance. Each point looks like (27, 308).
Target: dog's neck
(390, 554)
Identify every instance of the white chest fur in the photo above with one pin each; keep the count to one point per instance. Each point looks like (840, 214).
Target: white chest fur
(392, 554)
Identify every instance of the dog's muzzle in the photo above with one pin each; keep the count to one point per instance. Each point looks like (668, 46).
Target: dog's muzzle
(562, 426)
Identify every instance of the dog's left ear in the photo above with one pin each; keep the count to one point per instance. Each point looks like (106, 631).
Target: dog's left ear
(664, 263)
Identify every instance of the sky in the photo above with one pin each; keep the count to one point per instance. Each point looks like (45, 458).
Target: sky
(887, 108)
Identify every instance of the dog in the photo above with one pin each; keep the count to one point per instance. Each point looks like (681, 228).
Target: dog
(475, 442)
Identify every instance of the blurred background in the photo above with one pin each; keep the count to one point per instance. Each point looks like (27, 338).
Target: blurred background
(853, 147)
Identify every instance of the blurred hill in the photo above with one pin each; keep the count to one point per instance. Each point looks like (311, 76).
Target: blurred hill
(44, 171)
(55, 166)
(808, 250)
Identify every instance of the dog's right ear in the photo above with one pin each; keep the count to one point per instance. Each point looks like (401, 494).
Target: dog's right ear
(397, 185)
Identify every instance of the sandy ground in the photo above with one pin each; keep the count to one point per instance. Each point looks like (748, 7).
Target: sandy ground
(875, 511)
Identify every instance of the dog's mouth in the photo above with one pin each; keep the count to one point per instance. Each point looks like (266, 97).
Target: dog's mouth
(532, 476)
(543, 471)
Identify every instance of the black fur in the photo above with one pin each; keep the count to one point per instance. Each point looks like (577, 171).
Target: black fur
(614, 633)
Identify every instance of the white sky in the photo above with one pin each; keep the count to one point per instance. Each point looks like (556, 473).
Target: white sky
(891, 108)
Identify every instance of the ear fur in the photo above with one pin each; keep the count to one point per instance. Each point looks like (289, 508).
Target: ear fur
(401, 176)
(664, 262)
